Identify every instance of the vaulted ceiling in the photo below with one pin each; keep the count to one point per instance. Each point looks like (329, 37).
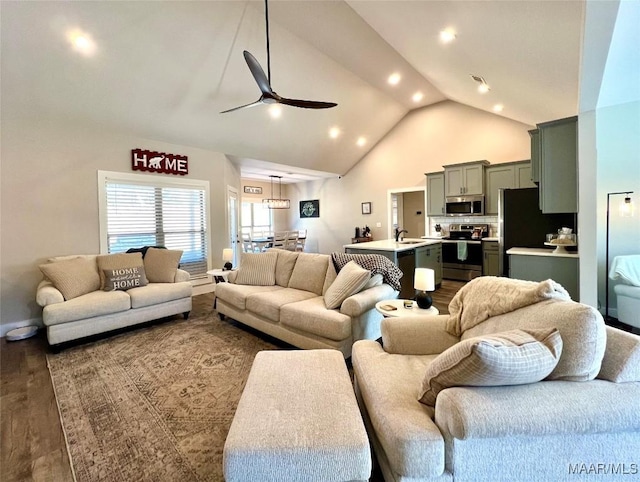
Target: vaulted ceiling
(164, 70)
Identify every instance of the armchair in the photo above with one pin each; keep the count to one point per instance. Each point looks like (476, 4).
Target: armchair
(627, 270)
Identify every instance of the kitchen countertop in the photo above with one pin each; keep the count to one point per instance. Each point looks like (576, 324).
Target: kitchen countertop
(391, 245)
(541, 252)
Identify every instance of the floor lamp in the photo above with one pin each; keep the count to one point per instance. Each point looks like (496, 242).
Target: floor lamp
(626, 209)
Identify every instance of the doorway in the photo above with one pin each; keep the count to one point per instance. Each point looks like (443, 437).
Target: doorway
(233, 223)
(407, 210)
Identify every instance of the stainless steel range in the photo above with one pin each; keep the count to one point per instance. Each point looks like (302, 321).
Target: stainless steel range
(462, 251)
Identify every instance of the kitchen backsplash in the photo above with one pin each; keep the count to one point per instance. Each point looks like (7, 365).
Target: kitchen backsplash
(444, 222)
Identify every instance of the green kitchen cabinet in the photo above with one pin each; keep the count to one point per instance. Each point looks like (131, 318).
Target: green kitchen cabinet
(510, 175)
(435, 193)
(490, 258)
(431, 257)
(464, 179)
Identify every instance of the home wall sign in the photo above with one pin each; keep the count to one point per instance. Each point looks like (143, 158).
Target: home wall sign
(310, 209)
(253, 189)
(152, 161)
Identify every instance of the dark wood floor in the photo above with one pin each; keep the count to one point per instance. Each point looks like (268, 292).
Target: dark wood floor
(32, 445)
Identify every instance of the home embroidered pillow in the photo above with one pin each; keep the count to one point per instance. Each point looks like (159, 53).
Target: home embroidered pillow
(117, 261)
(160, 265)
(350, 280)
(514, 357)
(73, 277)
(257, 269)
(124, 278)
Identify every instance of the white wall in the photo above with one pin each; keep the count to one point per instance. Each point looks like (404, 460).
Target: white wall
(424, 141)
(50, 198)
(618, 148)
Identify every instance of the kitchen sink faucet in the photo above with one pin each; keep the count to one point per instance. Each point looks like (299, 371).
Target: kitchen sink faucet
(399, 233)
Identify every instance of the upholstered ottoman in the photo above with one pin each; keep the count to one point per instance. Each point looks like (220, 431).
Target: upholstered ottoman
(297, 420)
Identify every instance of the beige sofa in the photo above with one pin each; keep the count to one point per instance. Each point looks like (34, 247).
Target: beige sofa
(286, 299)
(76, 304)
(580, 423)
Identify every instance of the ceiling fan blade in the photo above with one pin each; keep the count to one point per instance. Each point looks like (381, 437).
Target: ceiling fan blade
(306, 104)
(246, 106)
(258, 73)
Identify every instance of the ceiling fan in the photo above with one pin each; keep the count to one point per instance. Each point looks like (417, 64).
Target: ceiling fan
(264, 82)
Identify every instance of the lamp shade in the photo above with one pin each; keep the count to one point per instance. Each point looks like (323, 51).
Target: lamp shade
(227, 254)
(424, 279)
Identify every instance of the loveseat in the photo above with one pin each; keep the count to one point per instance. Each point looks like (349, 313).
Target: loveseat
(84, 295)
(299, 298)
(581, 422)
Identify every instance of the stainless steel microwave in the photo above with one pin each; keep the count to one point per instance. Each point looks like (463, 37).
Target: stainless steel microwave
(464, 206)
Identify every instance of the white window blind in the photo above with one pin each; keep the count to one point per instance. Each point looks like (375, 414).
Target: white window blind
(156, 213)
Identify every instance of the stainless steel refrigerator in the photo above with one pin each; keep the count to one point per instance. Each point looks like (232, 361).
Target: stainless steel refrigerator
(521, 223)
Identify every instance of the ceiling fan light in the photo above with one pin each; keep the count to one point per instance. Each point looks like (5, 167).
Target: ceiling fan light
(483, 88)
(275, 111)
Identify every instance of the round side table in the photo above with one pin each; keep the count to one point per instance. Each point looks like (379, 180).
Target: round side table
(384, 307)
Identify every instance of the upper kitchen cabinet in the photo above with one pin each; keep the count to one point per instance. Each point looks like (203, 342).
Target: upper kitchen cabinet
(512, 175)
(466, 178)
(535, 155)
(559, 166)
(435, 193)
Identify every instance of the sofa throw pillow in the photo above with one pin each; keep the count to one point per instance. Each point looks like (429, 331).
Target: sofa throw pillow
(284, 266)
(124, 278)
(257, 269)
(310, 272)
(117, 261)
(73, 277)
(160, 265)
(514, 357)
(349, 281)
(375, 280)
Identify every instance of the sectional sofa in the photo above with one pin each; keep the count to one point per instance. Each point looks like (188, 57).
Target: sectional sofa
(301, 299)
(577, 419)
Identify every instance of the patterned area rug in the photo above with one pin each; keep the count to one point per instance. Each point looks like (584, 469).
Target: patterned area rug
(154, 404)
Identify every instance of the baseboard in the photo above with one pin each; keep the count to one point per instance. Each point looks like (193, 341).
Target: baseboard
(19, 324)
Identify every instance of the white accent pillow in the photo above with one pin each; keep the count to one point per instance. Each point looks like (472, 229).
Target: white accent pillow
(514, 357)
(257, 269)
(350, 280)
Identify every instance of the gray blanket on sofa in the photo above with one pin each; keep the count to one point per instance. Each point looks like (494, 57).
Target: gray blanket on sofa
(376, 263)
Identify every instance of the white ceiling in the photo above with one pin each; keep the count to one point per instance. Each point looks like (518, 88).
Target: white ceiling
(164, 70)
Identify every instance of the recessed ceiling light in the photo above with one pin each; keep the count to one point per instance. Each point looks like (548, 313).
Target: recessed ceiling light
(81, 42)
(483, 88)
(361, 141)
(275, 111)
(394, 79)
(418, 96)
(498, 108)
(334, 132)
(447, 35)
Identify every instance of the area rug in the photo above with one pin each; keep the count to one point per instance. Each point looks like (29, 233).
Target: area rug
(154, 404)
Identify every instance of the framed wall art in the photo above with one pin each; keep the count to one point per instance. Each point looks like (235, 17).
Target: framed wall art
(253, 189)
(366, 208)
(310, 209)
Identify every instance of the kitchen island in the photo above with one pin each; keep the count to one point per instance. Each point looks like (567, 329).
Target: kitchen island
(539, 264)
(407, 255)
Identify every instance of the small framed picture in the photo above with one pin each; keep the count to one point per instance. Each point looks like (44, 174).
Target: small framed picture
(253, 189)
(366, 208)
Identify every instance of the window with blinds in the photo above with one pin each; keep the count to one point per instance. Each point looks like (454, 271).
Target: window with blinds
(138, 210)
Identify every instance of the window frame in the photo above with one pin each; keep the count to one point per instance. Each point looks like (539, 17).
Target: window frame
(152, 181)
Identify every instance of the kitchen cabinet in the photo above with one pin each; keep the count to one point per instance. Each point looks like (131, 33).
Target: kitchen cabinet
(537, 264)
(464, 179)
(559, 166)
(490, 258)
(512, 175)
(431, 257)
(419, 253)
(435, 193)
(535, 155)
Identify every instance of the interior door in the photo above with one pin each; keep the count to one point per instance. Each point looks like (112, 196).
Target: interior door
(233, 209)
